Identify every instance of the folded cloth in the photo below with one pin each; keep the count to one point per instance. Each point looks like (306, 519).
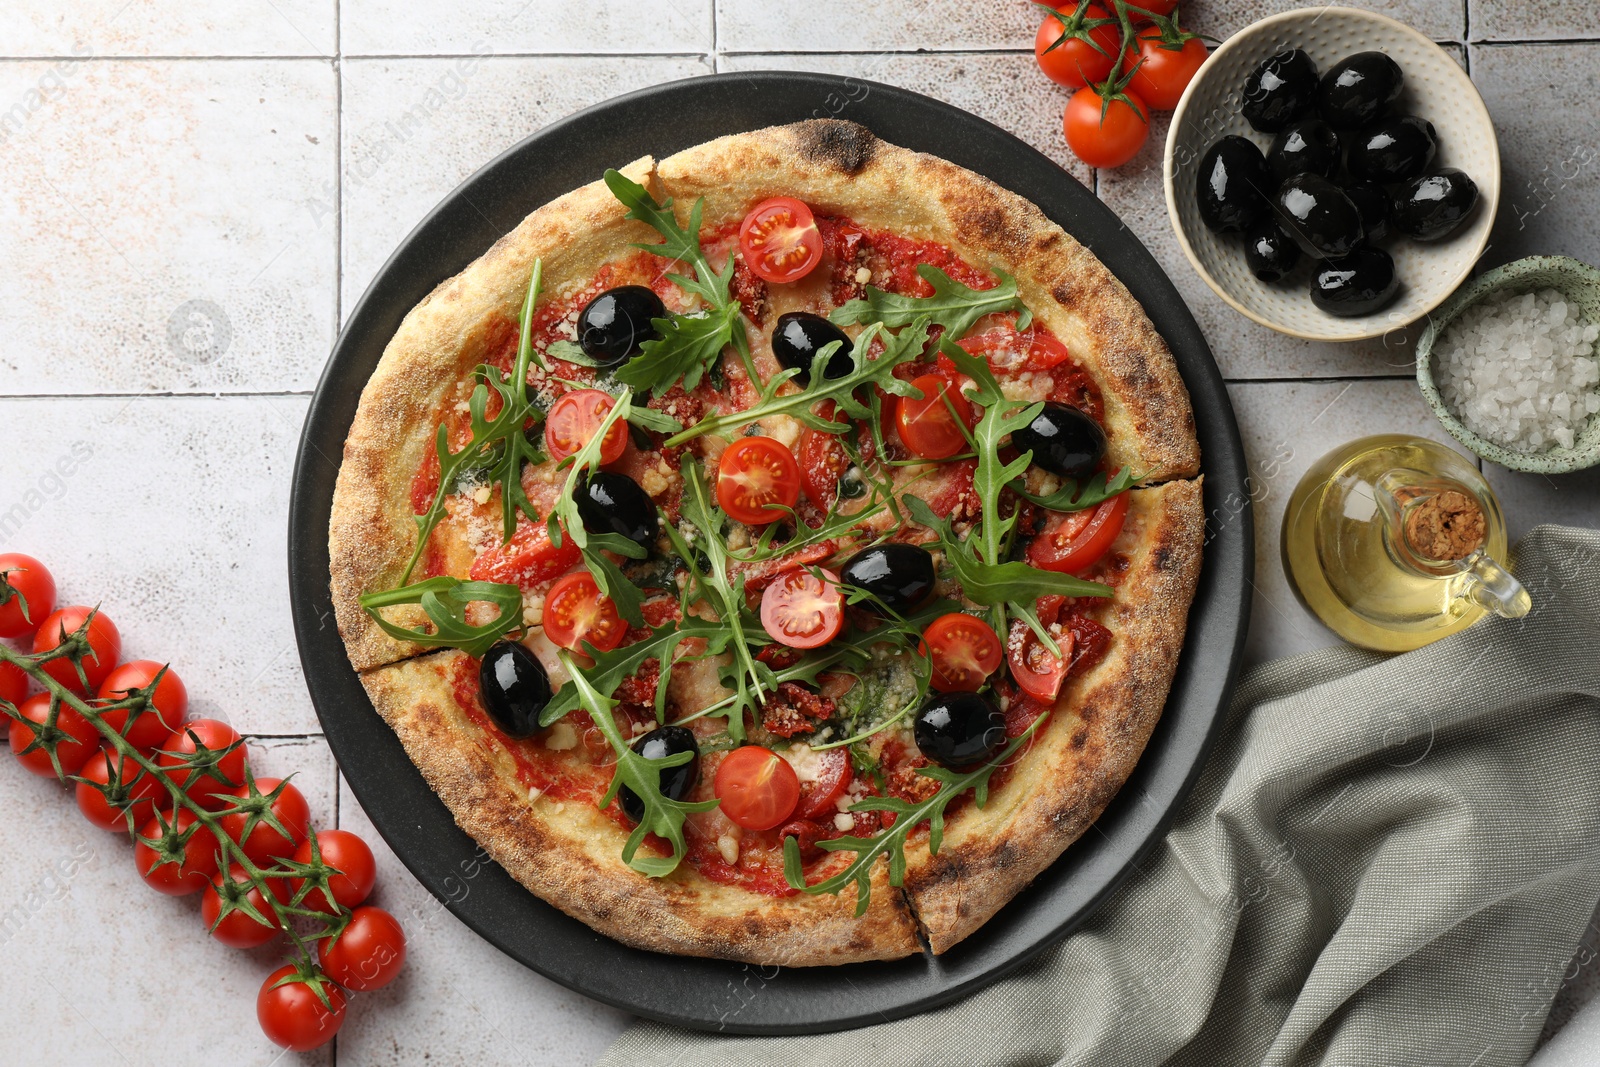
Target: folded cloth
(1387, 860)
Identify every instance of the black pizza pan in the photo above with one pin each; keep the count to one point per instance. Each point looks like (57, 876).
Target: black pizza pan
(715, 994)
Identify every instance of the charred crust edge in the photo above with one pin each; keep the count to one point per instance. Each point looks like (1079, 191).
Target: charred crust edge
(845, 146)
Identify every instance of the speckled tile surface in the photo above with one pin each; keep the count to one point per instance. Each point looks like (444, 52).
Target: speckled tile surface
(406, 27)
(168, 28)
(1531, 20)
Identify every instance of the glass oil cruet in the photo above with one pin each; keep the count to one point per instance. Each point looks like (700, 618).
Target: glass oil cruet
(1395, 541)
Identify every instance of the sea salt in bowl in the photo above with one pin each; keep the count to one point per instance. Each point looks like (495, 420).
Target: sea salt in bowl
(1579, 286)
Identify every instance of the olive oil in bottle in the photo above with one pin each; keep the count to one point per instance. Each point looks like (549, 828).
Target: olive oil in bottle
(1394, 542)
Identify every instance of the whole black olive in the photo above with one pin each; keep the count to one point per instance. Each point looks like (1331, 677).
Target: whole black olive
(1432, 206)
(1317, 214)
(1309, 146)
(959, 730)
(1373, 203)
(1231, 185)
(614, 503)
(1280, 90)
(1064, 440)
(1358, 89)
(800, 335)
(1357, 284)
(1270, 253)
(676, 782)
(515, 688)
(614, 324)
(899, 575)
(1393, 150)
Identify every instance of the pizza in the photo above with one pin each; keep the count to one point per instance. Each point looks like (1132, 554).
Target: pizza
(780, 551)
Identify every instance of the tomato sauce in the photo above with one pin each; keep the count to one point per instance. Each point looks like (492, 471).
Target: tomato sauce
(553, 775)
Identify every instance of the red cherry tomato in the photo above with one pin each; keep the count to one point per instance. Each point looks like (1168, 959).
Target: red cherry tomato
(756, 477)
(192, 874)
(263, 843)
(780, 240)
(1075, 541)
(1155, 7)
(933, 426)
(350, 857)
(79, 739)
(212, 784)
(1033, 668)
(832, 776)
(27, 594)
(239, 930)
(1110, 141)
(573, 420)
(575, 611)
(105, 647)
(154, 723)
(138, 791)
(293, 1016)
(824, 460)
(527, 560)
(1075, 63)
(1010, 352)
(368, 954)
(13, 683)
(758, 789)
(965, 651)
(802, 610)
(1164, 73)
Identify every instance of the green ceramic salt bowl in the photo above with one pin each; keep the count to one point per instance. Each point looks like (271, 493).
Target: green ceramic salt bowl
(1579, 284)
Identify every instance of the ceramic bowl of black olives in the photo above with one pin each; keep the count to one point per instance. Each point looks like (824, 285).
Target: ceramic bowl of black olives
(1332, 173)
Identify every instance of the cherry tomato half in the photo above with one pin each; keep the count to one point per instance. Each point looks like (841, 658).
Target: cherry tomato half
(192, 874)
(293, 1016)
(1033, 668)
(368, 954)
(105, 646)
(831, 776)
(965, 651)
(530, 558)
(1076, 63)
(1010, 352)
(141, 791)
(80, 739)
(1107, 142)
(757, 787)
(933, 426)
(155, 722)
(824, 460)
(209, 785)
(756, 478)
(351, 858)
(264, 843)
(1165, 73)
(24, 579)
(1075, 541)
(575, 611)
(573, 420)
(238, 929)
(802, 610)
(780, 240)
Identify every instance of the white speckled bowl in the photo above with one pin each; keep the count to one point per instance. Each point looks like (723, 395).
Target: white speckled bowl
(1436, 88)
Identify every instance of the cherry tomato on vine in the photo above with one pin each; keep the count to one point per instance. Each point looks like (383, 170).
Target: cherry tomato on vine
(780, 240)
(264, 844)
(1010, 352)
(105, 647)
(801, 610)
(154, 723)
(81, 740)
(1075, 541)
(1033, 668)
(142, 791)
(575, 611)
(368, 954)
(293, 1016)
(24, 579)
(1155, 7)
(575, 418)
(357, 871)
(831, 776)
(965, 651)
(755, 476)
(1113, 140)
(13, 683)
(528, 559)
(194, 873)
(757, 787)
(205, 789)
(1076, 63)
(1163, 73)
(238, 929)
(933, 426)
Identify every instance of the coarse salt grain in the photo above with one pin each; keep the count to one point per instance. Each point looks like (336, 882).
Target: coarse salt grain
(1521, 370)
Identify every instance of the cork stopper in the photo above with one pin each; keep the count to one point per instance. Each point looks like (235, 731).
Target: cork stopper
(1445, 525)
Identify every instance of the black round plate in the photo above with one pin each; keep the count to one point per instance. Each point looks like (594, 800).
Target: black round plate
(715, 994)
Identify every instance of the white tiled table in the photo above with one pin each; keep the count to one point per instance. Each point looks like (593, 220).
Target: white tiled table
(191, 198)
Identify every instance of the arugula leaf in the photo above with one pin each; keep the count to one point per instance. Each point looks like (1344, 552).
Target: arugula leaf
(651, 419)
(892, 841)
(662, 815)
(612, 668)
(570, 352)
(687, 346)
(1071, 498)
(444, 600)
(990, 584)
(953, 305)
